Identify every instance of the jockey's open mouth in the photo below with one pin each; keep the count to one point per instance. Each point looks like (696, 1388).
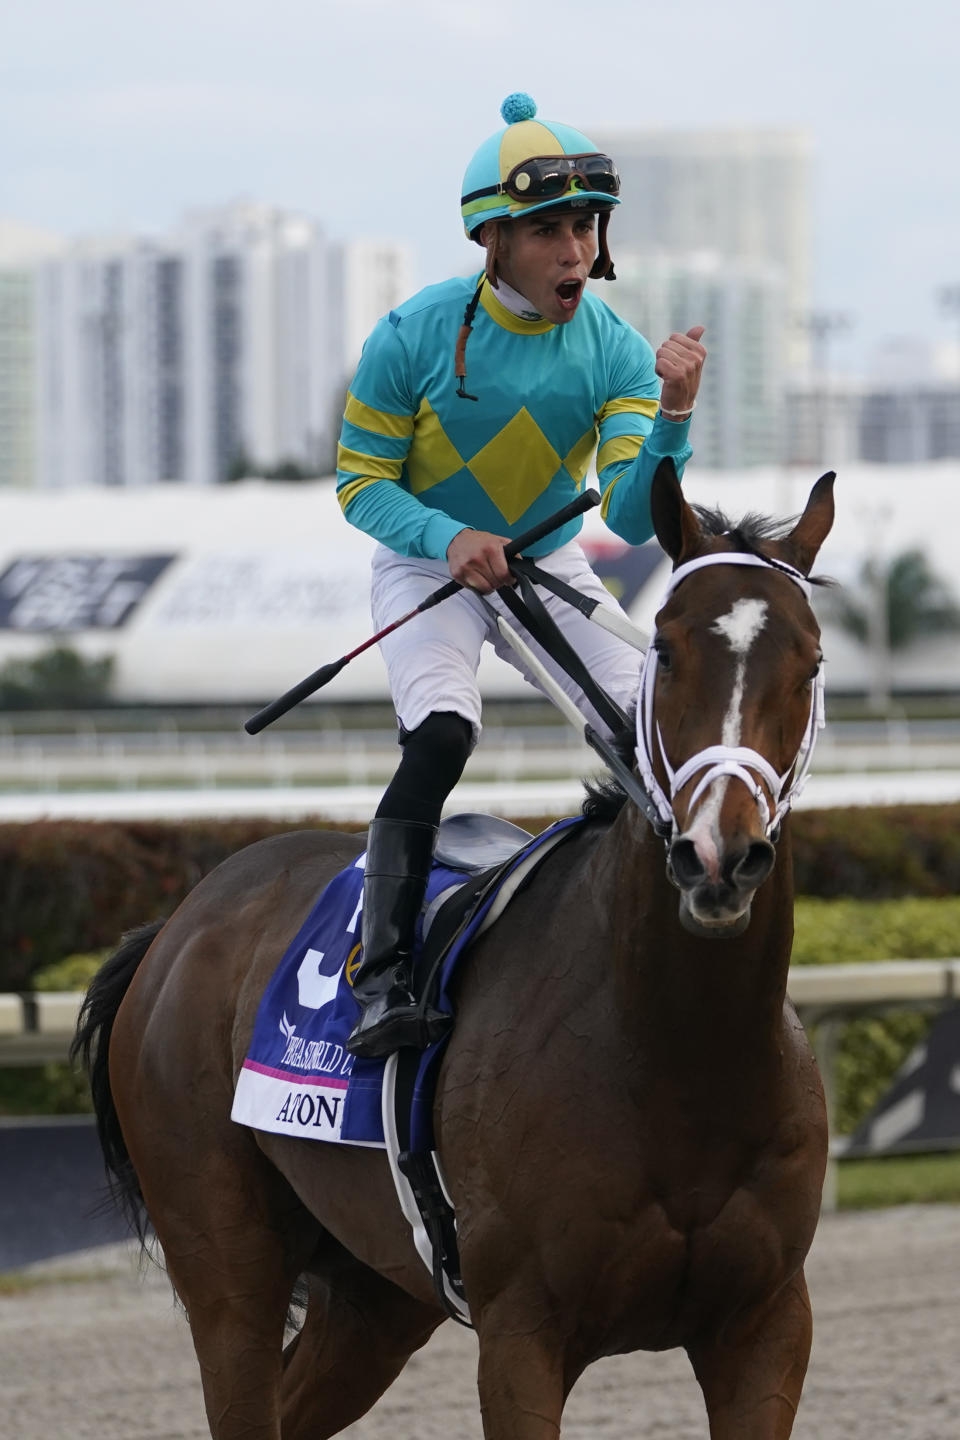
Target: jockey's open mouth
(569, 293)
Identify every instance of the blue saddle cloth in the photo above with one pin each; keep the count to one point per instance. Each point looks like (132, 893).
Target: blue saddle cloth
(298, 1077)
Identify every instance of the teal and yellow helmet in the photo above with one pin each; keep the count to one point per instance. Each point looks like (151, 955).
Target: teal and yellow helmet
(534, 165)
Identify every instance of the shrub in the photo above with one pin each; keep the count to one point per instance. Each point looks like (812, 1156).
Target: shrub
(58, 679)
(73, 887)
(72, 973)
(70, 889)
(877, 853)
(872, 1048)
(847, 932)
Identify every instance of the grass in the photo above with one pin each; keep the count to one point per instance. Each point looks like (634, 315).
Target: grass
(19, 1282)
(899, 1180)
(43, 1090)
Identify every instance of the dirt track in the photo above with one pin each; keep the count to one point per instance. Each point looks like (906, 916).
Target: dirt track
(99, 1352)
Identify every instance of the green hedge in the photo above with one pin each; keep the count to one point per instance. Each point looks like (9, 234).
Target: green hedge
(74, 886)
(848, 932)
(877, 854)
(66, 889)
(870, 1052)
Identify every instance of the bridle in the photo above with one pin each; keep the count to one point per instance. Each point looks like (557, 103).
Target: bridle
(715, 761)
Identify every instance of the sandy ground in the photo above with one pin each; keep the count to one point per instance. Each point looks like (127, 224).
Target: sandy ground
(92, 1349)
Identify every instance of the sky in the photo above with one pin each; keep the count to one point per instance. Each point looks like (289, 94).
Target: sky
(118, 115)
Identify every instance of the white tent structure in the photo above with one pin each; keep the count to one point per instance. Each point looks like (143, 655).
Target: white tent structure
(234, 593)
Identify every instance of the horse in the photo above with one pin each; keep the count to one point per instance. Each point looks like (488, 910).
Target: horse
(629, 1118)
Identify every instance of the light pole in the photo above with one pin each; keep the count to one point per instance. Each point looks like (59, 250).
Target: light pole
(948, 297)
(822, 326)
(876, 520)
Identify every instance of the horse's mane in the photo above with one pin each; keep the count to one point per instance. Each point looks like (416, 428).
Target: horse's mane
(605, 796)
(751, 534)
(751, 531)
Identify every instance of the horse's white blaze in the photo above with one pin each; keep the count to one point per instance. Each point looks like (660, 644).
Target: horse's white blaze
(739, 628)
(742, 626)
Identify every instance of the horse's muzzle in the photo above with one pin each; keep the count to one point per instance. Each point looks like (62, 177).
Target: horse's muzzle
(718, 907)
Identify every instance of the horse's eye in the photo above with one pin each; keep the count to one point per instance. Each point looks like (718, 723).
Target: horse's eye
(663, 657)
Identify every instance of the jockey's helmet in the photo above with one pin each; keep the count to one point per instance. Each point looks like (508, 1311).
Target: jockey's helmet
(535, 165)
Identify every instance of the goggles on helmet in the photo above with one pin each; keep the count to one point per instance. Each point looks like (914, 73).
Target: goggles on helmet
(548, 177)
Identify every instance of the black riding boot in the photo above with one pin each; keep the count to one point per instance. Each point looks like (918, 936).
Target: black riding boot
(399, 854)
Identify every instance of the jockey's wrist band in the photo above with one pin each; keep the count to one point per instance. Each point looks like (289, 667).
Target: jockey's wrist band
(678, 414)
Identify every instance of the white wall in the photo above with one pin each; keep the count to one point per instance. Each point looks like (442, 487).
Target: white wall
(269, 582)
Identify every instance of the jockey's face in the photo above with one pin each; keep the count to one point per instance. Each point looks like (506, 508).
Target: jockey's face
(547, 258)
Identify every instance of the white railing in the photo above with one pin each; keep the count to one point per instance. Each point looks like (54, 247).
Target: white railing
(175, 755)
(37, 1029)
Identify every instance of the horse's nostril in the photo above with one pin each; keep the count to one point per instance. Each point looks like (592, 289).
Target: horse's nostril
(754, 865)
(688, 869)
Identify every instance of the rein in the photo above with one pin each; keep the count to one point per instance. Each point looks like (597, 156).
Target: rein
(716, 761)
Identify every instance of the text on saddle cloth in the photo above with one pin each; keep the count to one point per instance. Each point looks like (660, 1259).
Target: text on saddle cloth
(298, 1077)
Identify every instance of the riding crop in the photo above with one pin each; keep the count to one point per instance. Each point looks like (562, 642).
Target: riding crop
(326, 673)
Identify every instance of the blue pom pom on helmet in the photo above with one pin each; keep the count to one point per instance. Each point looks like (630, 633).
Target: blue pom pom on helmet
(518, 106)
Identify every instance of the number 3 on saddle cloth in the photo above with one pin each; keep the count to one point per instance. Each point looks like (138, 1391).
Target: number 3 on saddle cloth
(298, 1077)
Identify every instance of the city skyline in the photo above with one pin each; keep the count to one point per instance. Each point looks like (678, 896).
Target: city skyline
(219, 349)
(364, 117)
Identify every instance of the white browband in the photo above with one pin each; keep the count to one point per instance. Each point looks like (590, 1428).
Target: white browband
(719, 760)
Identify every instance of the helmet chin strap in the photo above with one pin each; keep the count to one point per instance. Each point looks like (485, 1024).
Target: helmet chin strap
(603, 266)
(602, 269)
(493, 247)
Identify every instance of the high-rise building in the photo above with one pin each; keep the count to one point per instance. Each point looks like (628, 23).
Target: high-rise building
(21, 248)
(218, 350)
(370, 277)
(741, 303)
(906, 424)
(743, 195)
(257, 307)
(89, 382)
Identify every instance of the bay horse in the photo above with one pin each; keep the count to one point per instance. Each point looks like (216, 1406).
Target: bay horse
(629, 1118)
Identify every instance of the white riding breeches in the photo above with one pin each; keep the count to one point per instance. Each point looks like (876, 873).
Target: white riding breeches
(432, 661)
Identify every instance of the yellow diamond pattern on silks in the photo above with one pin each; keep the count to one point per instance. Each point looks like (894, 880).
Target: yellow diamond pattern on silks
(433, 456)
(577, 459)
(516, 466)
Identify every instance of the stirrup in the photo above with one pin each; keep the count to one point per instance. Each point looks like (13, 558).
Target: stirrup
(394, 1021)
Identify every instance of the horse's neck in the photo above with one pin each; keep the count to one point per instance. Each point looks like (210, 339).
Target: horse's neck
(681, 996)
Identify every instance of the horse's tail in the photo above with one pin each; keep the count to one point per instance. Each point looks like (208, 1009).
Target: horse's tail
(91, 1045)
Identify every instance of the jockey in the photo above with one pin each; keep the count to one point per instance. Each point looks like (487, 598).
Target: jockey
(473, 414)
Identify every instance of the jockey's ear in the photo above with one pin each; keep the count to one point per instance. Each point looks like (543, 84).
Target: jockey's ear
(674, 523)
(800, 547)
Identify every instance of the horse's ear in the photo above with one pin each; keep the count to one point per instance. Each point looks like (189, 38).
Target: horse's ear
(674, 523)
(813, 527)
